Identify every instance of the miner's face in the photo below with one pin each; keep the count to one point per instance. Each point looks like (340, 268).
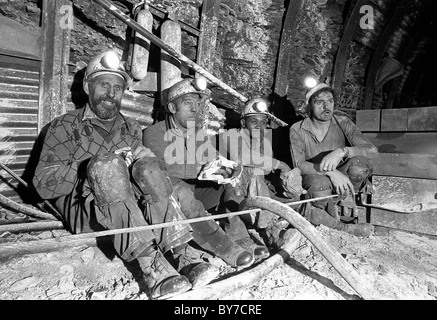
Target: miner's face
(105, 94)
(322, 106)
(186, 109)
(256, 125)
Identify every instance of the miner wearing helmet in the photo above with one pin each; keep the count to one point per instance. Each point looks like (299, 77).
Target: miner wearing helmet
(333, 156)
(179, 142)
(88, 161)
(252, 146)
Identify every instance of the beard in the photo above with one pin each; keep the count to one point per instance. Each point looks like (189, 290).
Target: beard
(105, 108)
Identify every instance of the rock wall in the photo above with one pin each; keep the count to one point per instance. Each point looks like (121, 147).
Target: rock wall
(27, 12)
(247, 40)
(317, 38)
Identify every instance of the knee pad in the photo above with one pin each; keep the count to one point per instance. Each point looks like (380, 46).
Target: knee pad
(357, 175)
(109, 178)
(151, 176)
(317, 185)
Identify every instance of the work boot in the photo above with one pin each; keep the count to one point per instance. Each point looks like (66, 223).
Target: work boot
(163, 281)
(319, 216)
(190, 264)
(258, 251)
(210, 237)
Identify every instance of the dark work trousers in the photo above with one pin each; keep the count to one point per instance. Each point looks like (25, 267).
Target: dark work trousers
(104, 198)
(219, 198)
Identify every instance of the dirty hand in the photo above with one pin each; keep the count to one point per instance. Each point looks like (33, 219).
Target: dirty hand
(224, 172)
(283, 167)
(227, 172)
(331, 160)
(142, 151)
(341, 183)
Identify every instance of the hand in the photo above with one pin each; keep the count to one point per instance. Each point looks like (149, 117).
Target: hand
(283, 167)
(341, 183)
(141, 151)
(331, 160)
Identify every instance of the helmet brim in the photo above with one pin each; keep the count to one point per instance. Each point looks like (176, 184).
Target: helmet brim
(203, 94)
(270, 116)
(121, 74)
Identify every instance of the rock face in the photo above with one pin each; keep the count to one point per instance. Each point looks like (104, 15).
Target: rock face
(247, 40)
(248, 37)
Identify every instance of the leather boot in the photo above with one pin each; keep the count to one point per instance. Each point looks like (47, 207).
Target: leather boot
(208, 234)
(210, 237)
(318, 216)
(237, 231)
(190, 263)
(258, 251)
(163, 281)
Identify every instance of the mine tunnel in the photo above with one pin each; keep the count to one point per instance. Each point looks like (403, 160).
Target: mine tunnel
(377, 55)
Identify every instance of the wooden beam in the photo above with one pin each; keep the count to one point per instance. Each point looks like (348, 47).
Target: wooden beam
(343, 48)
(55, 57)
(422, 119)
(368, 120)
(394, 120)
(17, 40)
(422, 166)
(423, 222)
(409, 119)
(286, 46)
(404, 142)
(162, 14)
(208, 36)
(378, 55)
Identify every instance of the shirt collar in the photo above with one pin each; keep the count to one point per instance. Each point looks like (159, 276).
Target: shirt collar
(89, 115)
(306, 123)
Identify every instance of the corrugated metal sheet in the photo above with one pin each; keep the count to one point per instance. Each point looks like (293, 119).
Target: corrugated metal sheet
(19, 79)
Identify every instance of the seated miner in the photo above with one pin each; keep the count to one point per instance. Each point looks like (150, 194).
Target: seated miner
(333, 156)
(251, 145)
(95, 169)
(186, 149)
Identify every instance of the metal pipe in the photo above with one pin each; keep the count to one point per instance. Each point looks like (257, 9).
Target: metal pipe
(312, 200)
(4, 167)
(109, 7)
(31, 226)
(26, 210)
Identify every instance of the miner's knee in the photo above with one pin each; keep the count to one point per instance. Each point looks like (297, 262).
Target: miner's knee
(316, 185)
(151, 176)
(108, 177)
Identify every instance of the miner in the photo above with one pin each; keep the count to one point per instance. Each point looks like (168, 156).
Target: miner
(333, 156)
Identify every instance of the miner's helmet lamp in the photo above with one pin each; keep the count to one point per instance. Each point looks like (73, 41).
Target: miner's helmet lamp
(107, 62)
(258, 106)
(187, 86)
(255, 106)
